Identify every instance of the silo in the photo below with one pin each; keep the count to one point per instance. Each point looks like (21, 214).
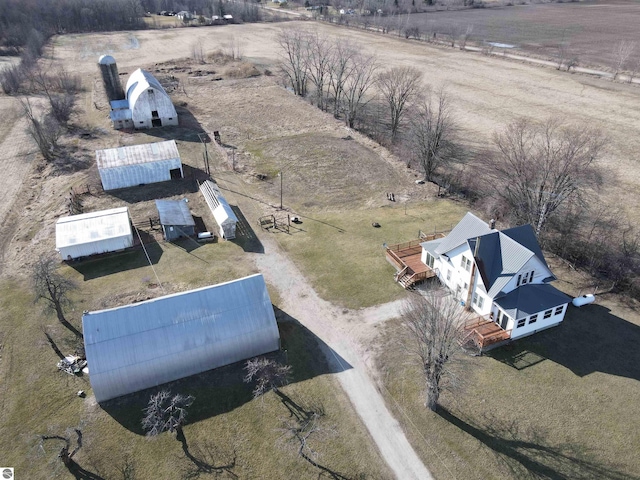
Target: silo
(110, 77)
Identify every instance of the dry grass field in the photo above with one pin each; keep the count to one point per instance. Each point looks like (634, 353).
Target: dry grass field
(335, 180)
(592, 28)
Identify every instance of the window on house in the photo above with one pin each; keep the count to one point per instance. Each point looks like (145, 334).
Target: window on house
(531, 277)
(519, 280)
(526, 278)
(475, 298)
(141, 123)
(521, 322)
(448, 274)
(480, 301)
(150, 91)
(430, 260)
(466, 263)
(559, 310)
(533, 319)
(548, 314)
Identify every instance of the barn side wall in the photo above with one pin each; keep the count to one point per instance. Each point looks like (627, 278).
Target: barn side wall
(133, 175)
(94, 248)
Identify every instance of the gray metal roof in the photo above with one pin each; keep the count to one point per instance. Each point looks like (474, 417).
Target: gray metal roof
(526, 237)
(174, 212)
(119, 115)
(119, 104)
(532, 298)
(431, 246)
(470, 226)
(137, 154)
(220, 208)
(498, 259)
(146, 344)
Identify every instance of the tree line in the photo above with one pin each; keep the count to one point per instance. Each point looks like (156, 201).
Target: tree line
(546, 173)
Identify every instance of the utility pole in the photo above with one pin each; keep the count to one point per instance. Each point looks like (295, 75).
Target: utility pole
(280, 175)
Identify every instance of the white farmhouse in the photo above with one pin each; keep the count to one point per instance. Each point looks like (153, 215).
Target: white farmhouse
(134, 165)
(500, 275)
(146, 105)
(93, 233)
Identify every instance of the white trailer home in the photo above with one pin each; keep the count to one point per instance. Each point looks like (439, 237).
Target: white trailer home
(134, 165)
(93, 233)
(149, 343)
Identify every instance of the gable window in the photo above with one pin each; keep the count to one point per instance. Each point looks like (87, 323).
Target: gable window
(448, 274)
(548, 314)
(559, 310)
(465, 263)
(521, 322)
(525, 278)
(531, 277)
(533, 319)
(150, 91)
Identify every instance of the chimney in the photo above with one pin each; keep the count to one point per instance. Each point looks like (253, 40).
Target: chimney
(492, 224)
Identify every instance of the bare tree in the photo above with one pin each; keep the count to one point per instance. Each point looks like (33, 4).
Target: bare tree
(341, 61)
(318, 65)
(49, 285)
(166, 412)
(622, 52)
(539, 166)
(66, 454)
(197, 52)
(360, 79)
(295, 47)
(434, 323)
(567, 57)
(464, 38)
(398, 86)
(45, 131)
(433, 133)
(268, 375)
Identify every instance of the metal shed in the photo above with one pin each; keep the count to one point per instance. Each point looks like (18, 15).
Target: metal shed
(139, 164)
(149, 103)
(222, 212)
(175, 218)
(92, 233)
(146, 344)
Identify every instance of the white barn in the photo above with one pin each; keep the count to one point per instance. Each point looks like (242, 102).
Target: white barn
(93, 233)
(146, 344)
(123, 167)
(146, 104)
(221, 210)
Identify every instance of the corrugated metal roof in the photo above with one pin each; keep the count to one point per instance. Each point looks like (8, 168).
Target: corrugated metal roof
(119, 104)
(137, 154)
(119, 115)
(526, 237)
(469, 226)
(145, 344)
(220, 208)
(174, 212)
(431, 246)
(92, 227)
(532, 298)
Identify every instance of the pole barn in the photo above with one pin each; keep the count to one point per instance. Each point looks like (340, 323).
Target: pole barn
(146, 344)
(139, 164)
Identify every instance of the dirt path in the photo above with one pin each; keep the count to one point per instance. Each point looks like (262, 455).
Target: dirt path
(345, 337)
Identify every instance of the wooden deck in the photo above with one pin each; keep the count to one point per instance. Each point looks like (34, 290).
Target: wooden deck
(486, 334)
(405, 257)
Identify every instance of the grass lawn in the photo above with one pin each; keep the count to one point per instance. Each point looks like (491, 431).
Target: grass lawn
(560, 404)
(342, 253)
(228, 432)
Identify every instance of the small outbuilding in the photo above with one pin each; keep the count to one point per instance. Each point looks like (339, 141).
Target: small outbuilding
(149, 343)
(139, 164)
(93, 233)
(175, 218)
(221, 210)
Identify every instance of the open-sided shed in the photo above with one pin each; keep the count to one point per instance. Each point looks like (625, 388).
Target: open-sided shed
(175, 218)
(146, 344)
(222, 212)
(93, 233)
(123, 167)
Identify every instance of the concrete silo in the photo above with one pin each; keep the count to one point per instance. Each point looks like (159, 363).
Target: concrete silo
(110, 77)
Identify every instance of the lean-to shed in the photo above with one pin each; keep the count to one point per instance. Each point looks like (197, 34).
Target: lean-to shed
(146, 344)
(92, 233)
(175, 218)
(149, 103)
(222, 212)
(123, 167)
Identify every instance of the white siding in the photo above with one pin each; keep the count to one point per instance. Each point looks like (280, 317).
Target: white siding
(540, 324)
(534, 263)
(95, 248)
(143, 173)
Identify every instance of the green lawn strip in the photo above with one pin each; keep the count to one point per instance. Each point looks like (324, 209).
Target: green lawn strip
(534, 419)
(342, 254)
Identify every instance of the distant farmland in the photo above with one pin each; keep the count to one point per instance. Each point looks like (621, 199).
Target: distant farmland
(591, 28)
